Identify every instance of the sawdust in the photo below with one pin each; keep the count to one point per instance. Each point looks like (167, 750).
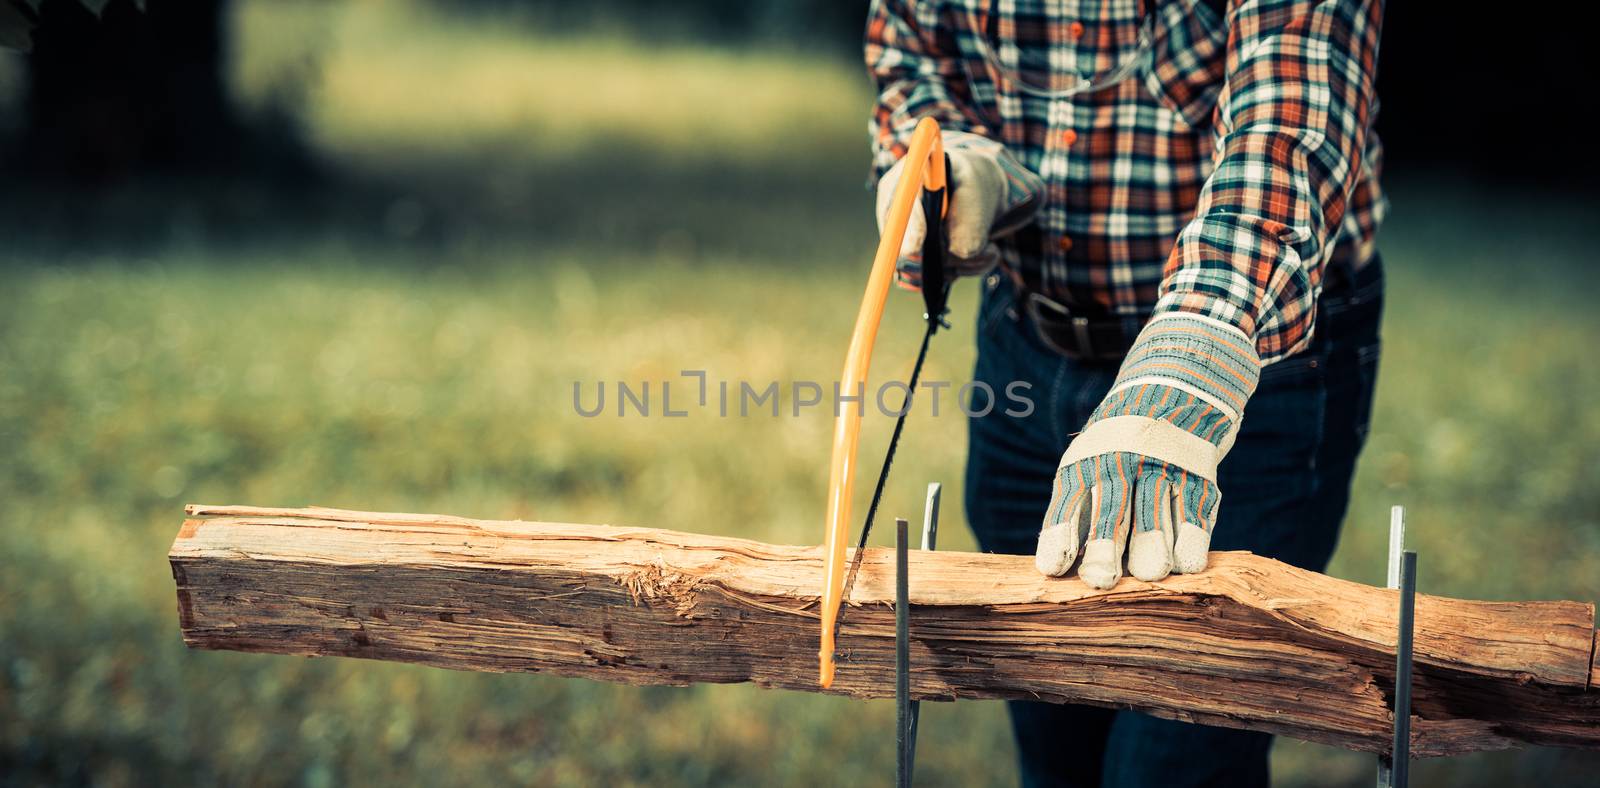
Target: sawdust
(658, 583)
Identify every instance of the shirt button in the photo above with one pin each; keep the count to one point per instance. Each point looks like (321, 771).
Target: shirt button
(1068, 137)
(1075, 31)
(1065, 244)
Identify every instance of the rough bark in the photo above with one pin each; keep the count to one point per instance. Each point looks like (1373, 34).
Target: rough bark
(1250, 643)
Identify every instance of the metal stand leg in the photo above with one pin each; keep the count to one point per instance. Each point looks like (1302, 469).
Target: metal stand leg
(902, 657)
(1401, 767)
(908, 712)
(1394, 768)
(1397, 543)
(930, 517)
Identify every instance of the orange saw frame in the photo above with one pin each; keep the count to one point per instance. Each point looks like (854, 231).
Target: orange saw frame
(924, 169)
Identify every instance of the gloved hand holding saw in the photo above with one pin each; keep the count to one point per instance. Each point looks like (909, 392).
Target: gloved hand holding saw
(992, 195)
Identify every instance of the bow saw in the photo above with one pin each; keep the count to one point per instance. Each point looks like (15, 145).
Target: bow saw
(926, 174)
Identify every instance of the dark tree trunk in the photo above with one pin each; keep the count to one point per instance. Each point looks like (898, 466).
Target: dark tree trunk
(129, 92)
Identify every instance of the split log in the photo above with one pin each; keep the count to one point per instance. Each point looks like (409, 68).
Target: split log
(1249, 643)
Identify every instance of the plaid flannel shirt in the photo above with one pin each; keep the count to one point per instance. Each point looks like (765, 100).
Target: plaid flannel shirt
(1223, 179)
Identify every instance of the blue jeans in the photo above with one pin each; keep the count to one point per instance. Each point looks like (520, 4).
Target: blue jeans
(1284, 487)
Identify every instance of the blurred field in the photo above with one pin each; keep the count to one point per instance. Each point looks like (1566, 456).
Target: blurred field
(428, 367)
(512, 89)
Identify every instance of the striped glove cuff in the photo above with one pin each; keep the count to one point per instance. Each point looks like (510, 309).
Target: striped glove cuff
(1179, 396)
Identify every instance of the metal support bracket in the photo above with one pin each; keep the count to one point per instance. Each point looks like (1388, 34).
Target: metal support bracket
(1394, 769)
(907, 711)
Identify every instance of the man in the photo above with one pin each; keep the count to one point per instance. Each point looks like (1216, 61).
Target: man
(1175, 202)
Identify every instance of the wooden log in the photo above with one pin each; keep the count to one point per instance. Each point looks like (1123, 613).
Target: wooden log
(1249, 643)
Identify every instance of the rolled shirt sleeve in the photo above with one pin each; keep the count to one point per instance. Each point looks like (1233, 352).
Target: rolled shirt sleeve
(917, 78)
(1291, 127)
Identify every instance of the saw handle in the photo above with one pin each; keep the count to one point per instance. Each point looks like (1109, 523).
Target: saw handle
(935, 246)
(925, 174)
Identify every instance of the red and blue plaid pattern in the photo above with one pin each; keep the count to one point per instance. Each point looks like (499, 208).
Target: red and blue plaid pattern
(1223, 179)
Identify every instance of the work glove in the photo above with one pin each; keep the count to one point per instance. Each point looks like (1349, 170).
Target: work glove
(992, 195)
(1142, 476)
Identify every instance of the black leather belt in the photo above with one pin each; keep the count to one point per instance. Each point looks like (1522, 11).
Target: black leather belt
(1079, 336)
(1091, 336)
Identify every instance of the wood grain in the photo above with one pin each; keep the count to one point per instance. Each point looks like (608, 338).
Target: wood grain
(1250, 643)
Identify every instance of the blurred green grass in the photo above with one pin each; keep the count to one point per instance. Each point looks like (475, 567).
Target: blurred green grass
(389, 374)
(511, 89)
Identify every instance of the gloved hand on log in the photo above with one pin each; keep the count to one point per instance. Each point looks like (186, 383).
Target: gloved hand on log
(1142, 476)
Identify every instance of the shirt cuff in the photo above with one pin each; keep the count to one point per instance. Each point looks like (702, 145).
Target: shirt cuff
(1245, 273)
